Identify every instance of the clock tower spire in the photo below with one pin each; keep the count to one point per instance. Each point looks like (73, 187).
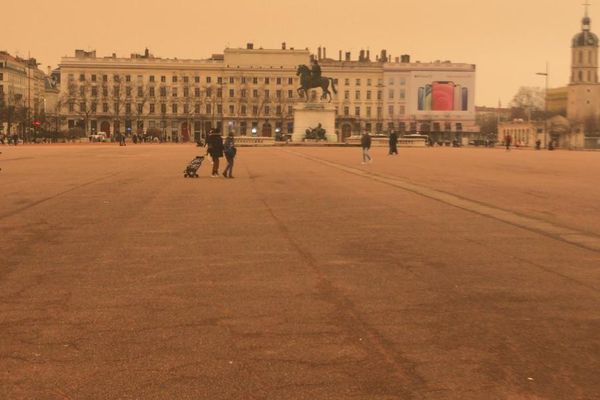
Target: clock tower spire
(584, 64)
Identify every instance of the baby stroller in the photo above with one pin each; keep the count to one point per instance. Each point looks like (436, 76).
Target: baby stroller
(192, 168)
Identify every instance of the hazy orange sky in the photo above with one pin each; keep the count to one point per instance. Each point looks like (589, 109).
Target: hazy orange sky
(509, 40)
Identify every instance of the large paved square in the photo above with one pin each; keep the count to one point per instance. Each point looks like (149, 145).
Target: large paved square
(435, 274)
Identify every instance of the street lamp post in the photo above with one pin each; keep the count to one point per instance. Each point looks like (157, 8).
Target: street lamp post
(546, 75)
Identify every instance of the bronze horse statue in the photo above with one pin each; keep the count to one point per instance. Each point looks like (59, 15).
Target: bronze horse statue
(307, 82)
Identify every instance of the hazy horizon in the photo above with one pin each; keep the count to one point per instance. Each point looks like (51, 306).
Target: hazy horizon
(507, 47)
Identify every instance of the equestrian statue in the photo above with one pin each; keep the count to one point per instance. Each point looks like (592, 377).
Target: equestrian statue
(311, 78)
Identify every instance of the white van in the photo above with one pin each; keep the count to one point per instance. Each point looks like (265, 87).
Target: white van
(98, 137)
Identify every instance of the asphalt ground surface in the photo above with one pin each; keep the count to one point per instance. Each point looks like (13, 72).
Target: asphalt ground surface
(436, 274)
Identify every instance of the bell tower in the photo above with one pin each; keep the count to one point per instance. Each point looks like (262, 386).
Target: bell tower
(584, 62)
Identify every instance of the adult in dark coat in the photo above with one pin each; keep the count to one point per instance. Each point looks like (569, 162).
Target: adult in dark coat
(215, 149)
(393, 143)
(230, 152)
(365, 143)
(507, 141)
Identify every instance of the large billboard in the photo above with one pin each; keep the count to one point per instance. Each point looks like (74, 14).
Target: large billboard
(443, 96)
(442, 92)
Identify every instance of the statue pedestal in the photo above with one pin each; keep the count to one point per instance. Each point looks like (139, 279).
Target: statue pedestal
(310, 115)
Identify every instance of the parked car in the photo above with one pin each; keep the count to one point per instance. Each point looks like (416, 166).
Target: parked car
(98, 137)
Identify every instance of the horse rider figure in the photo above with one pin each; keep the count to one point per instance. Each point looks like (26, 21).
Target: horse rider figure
(310, 78)
(315, 72)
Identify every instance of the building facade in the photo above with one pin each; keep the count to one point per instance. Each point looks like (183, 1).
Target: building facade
(557, 100)
(436, 99)
(523, 133)
(23, 94)
(252, 92)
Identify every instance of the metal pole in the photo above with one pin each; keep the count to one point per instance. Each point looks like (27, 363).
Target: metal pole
(546, 108)
(545, 74)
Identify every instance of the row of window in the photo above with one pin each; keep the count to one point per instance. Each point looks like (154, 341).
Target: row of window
(426, 127)
(243, 109)
(127, 108)
(220, 80)
(176, 126)
(151, 92)
(185, 79)
(391, 93)
(592, 77)
(358, 81)
(368, 111)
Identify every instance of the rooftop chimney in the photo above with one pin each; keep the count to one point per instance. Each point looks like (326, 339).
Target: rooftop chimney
(340, 55)
(383, 57)
(368, 55)
(283, 46)
(250, 46)
(405, 58)
(324, 52)
(348, 56)
(361, 56)
(320, 53)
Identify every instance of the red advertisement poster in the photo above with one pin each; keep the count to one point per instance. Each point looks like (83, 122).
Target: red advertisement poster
(442, 96)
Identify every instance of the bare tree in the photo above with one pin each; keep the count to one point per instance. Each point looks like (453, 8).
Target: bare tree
(200, 101)
(283, 101)
(142, 100)
(213, 99)
(261, 102)
(241, 106)
(163, 119)
(188, 108)
(487, 122)
(55, 119)
(528, 103)
(12, 110)
(83, 98)
(119, 96)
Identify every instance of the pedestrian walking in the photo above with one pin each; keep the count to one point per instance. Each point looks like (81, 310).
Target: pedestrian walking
(215, 149)
(230, 152)
(121, 139)
(393, 143)
(507, 141)
(365, 142)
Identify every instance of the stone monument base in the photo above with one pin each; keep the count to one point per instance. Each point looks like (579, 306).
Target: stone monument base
(310, 115)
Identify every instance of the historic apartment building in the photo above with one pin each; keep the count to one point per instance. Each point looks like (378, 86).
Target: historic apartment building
(24, 93)
(252, 92)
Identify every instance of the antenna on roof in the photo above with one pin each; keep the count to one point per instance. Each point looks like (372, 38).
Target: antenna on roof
(587, 5)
